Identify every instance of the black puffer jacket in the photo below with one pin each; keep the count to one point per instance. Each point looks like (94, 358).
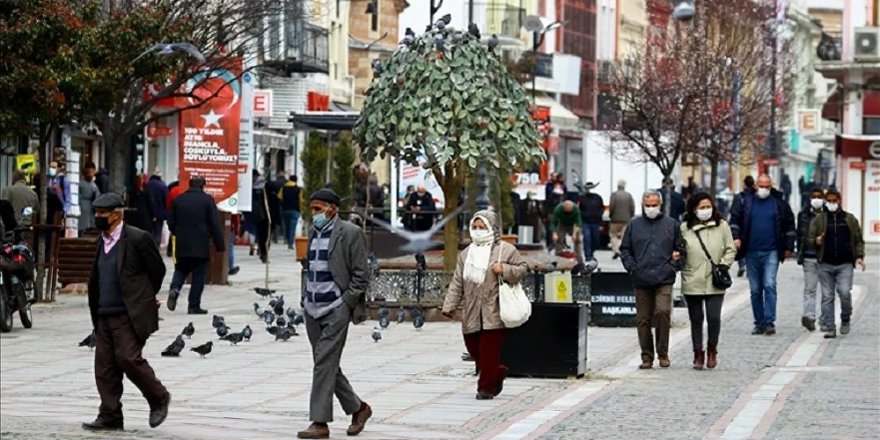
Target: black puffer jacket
(646, 251)
(804, 248)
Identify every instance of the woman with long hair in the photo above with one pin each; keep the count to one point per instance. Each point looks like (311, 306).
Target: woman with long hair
(708, 241)
(474, 287)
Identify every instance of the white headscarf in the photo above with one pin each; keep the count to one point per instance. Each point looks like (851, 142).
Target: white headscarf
(476, 264)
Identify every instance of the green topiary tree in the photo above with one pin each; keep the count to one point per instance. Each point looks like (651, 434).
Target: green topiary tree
(314, 158)
(445, 97)
(344, 157)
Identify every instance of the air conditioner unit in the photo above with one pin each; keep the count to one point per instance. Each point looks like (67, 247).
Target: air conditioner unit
(867, 44)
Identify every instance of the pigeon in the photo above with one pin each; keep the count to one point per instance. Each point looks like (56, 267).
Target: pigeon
(377, 335)
(419, 322)
(409, 37)
(299, 320)
(377, 67)
(493, 43)
(223, 331)
(233, 338)
(175, 348)
(165, 49)
(280, 322)
(218, 321)
(273, 330)
(283, 334)
(443, 22)
(373, 262)
(246, 333)
(268, 317)
(257, 310)
(439, 43)
(291, 313)
(418, 242)
(474, 31)
(401, 315)
(279, 309)
(292, 329)
(188, 331)
(416, 311)
(203, 349)
(383, 322)
(90, 341)
(264, 292)
(383, 311)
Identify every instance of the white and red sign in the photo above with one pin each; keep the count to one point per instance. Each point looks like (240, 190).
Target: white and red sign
(263, 103)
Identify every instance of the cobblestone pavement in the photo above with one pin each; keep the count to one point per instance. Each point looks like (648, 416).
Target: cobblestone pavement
(420, 389)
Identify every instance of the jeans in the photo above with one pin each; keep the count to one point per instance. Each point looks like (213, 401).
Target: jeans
(712, 317)
(591, 240)
(762, 267)
(654, 305)
(837, 278)
(185, 266)
(291, 218)
(811, 280)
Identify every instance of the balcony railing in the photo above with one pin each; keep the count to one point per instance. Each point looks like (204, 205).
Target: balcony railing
(497, 17)
(305, 47)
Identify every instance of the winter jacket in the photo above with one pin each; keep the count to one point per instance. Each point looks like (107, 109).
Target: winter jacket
(804, 247)
(194, 221)
(158, 196)
(621, 207)
(741, 224)
(592, 207)
(479, 302)
(857, 241)
(646, 251)
(696, 272)
(289, 196)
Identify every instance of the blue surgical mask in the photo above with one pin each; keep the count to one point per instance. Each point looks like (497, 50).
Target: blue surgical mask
(320, 220)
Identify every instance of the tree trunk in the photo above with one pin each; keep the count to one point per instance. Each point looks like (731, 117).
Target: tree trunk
(39, 236)
(451, 189)
(117, 144)
(713, 181)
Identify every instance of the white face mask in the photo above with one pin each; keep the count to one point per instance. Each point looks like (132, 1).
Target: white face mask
(832, 207)
(704, 214)
(481, 236)
(652, 212)
(52, 172)
(817, 203)
(763, 192)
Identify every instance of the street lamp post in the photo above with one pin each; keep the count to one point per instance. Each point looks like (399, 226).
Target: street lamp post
(436, 8)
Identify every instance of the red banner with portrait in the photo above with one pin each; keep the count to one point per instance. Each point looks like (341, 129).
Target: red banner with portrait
(209, 134)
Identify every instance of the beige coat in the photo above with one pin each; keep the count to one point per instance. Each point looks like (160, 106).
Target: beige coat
(479, 302)
(696, 274)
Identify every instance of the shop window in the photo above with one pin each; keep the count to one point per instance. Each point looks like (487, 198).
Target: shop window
(871, 125)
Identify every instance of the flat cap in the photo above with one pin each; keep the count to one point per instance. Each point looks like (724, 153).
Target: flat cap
(325, 195)
(108, 201)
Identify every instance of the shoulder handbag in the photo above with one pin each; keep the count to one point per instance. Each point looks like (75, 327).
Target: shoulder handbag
(720, 274)
(512, 301)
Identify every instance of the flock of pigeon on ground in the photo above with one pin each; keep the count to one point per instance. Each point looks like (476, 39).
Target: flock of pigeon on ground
(279, 323)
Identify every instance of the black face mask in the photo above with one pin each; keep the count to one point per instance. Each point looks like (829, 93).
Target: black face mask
(102, 223)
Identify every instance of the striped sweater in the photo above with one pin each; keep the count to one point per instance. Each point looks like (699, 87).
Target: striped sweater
(322, 294)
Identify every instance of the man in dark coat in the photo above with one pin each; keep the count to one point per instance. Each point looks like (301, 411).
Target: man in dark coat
(764, 234)
(194, 221)
(592, 208)
(677, 206)
(651, 253)
(419, 202)
(126, 275)
(158, 192)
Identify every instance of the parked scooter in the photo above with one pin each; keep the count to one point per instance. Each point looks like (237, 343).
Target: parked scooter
(17, 275)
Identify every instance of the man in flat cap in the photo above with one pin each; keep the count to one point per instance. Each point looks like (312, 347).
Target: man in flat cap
(125, 278)
(334, 295)
(194, 222)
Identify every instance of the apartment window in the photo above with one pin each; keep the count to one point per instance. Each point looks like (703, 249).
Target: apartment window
(374, 24)
(337, 8)
(871, 125)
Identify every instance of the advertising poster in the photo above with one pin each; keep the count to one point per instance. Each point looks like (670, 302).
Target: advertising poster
(414, 176)
(872, 202)
(209, 134)
(246, 143)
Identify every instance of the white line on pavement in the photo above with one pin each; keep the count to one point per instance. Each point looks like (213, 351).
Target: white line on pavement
(754, 411)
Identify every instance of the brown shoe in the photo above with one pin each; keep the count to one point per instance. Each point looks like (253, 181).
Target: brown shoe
(315, 430)
(647, 364)
(711, 357)
(359, 419)
(699, 359)
(664, 361)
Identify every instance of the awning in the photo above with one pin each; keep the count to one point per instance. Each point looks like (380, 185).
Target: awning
(854, 145)
(270, 139)
(334, 121)
(560, 116)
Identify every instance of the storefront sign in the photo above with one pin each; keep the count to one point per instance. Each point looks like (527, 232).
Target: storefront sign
(209, 134)
(263, 103)
(872, 201)
(809, 121)
(856, 165)
(246, 141)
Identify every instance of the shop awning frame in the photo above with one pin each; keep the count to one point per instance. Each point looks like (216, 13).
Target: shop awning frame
(332, 121)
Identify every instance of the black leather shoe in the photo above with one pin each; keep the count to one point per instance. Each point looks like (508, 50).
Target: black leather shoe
(758, 331)
(172, 299)
(158, 415)
(485, 396)
(103, 425)
(198, 311)
(234, 270)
